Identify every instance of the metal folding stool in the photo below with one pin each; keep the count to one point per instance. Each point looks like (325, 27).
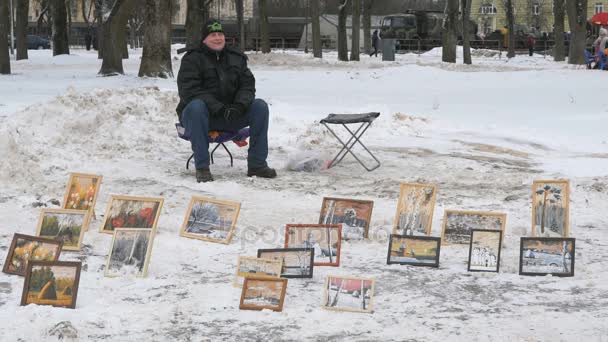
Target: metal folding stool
(365, 119)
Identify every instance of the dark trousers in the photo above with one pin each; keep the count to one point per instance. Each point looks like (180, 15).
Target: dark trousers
(531, 50)
(197, 122)
(375, 52)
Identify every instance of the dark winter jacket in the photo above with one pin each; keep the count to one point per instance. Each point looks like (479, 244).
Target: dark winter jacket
(218, 78)
(375, 39)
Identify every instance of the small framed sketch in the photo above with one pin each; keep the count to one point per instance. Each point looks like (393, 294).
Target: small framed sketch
(263, 293)
(26, 248)
(484, 250)
(257, 267)
(210, 219)
(65, 225)
(457, 224)
(52, 283)
(354, 215)
(550, 208)
(323, 238)
(542, 256)
(415, 209)
(81, 192)
(348, 294)
(414, 250)
(131, 212)
(297, 262)
(130, 252)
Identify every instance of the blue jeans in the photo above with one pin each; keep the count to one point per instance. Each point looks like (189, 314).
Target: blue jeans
(197, 121)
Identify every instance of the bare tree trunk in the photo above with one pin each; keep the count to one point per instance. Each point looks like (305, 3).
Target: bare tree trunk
(450, 32)
(354, 52)
(115, 27)
(21, 32)
(559, 51)
(5, 60)
(99, 34)
(577, 18)
(194, 23)
(156, 58)
(317, 47)
(264, 34)
(466, 43)
(367, 26)
(510, 28)
(342, 38)
(240, 22)
(60, 28)
(125, 46)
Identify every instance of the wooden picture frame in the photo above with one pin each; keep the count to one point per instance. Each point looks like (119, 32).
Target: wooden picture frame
(53, 250)
(407, 222)
(299, 265)
(414, 250)
(276, 287)
(118, 258)
(552, 191)
(52, 287)
(349, 286)
(77, 199)
(540, 256)
(226, 211)
(259, 267)
(45, 226)
(142, 215)
(449, 236)
(332, 207)
(294, 238)
(484, 250)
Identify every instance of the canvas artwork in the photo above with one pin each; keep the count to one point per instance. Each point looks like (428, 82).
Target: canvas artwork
(414, 250)
(484, 250)
(51, 283)
(542, 256)
(354, 215)
(130, 252)
(260, 293)
(258, 267)
(297, 262)
(550, 208)
(131, 212)
(210, 219)
(68, 226)
(81, 191)
(323, 238)
(348, 294)
(415, 209)
(25, 248)
(458, 224)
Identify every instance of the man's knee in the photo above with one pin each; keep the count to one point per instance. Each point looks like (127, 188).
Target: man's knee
(197, 108)
(259, 108)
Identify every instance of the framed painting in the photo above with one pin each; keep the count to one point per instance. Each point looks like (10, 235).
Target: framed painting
(540, 256)
(81, 193)
(458, 224)
(26, 248)
(65, 225)
(484, 250)
(297, 262)
(52, 283)
(263, 293)
(415, 209)
(210, 219)
(130, 252)
(131, 212)
(354, 215)
(324, 239)
(550, 208)
(348, 294)
(414, 250)
(256, 267)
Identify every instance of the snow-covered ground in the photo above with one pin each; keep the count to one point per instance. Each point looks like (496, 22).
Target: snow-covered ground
(482, 133)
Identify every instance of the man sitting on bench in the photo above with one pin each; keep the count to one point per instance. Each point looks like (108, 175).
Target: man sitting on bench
(217, 93)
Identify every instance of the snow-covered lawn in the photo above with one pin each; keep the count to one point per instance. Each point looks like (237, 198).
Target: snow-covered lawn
(482, 133)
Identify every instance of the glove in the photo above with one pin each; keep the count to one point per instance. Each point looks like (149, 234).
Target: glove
(233, 112)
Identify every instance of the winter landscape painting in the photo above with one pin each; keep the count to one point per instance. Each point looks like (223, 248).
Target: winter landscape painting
(68, 226)
(130, 252)
(297, 262)
(260, 293)
(348, 294)
(550, 208)
(414, 250)
(25, 248)
(542, 256)
(81, 191)
(484, 250)
(257, 267)
(457, 224)
(210, 219)
(131, 212)
(51, 283)
(324, 239)
(354, 215)
(415, 209)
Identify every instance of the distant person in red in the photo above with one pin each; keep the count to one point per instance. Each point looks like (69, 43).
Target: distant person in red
(530, 43)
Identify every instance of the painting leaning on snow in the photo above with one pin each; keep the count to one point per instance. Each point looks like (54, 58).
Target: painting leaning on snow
(414, 250)
(130, 252)
(458, 224)
(260, 293)
(550, 208)
(81, 191)
(415, 209)
(210, 219)
(65, 225)
(26, 248)
(542, 256)
(484, 250)
(297, 262)
(257, 267)
(348, 294)
(131, 212)
(323, 238)
(52, 283)
(354, 215)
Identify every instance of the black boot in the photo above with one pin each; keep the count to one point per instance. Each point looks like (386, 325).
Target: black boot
(264, 172)
(204, 175)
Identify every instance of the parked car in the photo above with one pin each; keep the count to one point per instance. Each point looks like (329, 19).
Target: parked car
(34, 42)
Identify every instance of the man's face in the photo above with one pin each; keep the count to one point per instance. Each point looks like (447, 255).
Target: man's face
(215, 41)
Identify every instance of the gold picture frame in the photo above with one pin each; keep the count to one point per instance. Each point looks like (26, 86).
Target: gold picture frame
(225, 215)
(120, 255)
(270, 294)
(551, 192)
(352, 286)
(449, 236)
(76, 198)
(134, 212)
(424, 196)
(256, 267)
(46, 226)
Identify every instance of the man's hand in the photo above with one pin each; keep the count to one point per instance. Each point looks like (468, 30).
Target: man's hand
(233, 112)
